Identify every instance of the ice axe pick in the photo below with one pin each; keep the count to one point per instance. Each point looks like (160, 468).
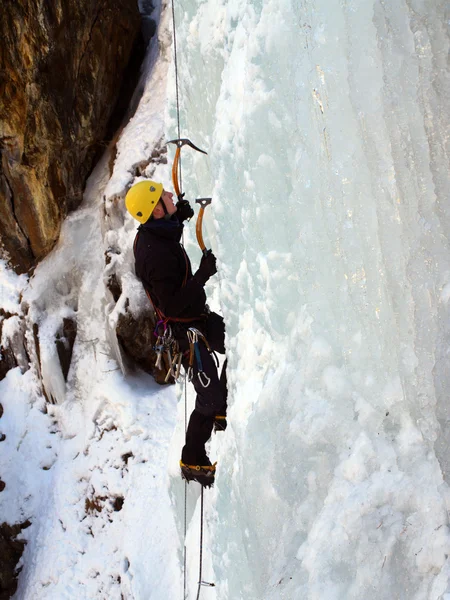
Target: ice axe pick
(198, 227)
(179, 144)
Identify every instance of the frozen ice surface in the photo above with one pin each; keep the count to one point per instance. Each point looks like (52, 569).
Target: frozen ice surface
(326, 126)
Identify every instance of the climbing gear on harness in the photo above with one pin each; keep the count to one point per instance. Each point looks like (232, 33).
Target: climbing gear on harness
(194, 335)
(176, 161)
(204, 202)
(142, 198)
(194, 352)
(202, 474)
(167, 344)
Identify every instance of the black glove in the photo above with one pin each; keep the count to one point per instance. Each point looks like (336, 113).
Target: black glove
(207, 268)
(184, 209)
(220, 423)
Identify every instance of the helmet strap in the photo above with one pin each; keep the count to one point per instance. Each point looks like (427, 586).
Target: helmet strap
(167, 217)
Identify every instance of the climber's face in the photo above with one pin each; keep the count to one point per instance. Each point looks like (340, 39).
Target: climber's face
(167, 198)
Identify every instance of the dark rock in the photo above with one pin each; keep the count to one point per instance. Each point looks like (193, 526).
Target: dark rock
(114, 287)
(2, 485)
(94, 504)
(36, 343)
(13, 351)
(7, 358)
(118, 503)
(10, 552)
(7, 361)
(126, 457)
(37, 361)
(137, 339)
(64, 344)
(61, 67)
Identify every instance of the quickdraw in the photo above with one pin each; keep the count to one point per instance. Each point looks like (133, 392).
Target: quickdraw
(194, 335)
(167, 344)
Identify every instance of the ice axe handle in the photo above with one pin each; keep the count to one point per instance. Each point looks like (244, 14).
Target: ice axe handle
(198, 228)
(176, 161)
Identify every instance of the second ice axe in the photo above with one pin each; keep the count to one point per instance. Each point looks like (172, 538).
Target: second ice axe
(198, 227)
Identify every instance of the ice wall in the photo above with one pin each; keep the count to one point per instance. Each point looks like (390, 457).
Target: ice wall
(326, 123)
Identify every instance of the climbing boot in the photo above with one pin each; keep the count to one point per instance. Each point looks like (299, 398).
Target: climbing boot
(204, 475)
(220, 423)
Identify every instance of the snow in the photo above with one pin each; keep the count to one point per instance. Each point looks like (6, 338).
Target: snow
(326, 129)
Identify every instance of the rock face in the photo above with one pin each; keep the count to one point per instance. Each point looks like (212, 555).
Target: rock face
(137, 339)
(10, 550)
(61, 66)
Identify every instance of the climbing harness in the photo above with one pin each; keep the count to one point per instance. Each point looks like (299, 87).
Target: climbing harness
(167, 344)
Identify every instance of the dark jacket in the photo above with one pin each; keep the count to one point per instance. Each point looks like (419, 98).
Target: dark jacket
(164, 268)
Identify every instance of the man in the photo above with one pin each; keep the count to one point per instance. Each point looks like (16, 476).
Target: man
(179, 299)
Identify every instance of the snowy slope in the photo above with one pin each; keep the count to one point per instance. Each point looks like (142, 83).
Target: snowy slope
(90, 471)
(326, 126)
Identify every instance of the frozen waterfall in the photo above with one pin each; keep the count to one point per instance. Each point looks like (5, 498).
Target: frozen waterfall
(328, 134)
(327, 129)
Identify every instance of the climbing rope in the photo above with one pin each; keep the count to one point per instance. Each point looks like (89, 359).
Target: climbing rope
(200, 582)
(201, 547)
(176, 83)
(185, 489)
(185, 382)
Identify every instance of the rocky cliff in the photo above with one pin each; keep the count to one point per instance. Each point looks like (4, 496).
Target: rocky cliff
(61, 67)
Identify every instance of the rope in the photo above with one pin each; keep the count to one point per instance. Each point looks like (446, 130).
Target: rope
(200, 583)
(201, 546)
(185, 404)
(176, 86)
(185, 531)
(185, 485)
(181, 187)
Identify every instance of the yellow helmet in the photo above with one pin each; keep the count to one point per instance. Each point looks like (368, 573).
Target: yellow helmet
(142, 198)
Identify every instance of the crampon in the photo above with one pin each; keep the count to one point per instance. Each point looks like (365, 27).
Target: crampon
(204, 475)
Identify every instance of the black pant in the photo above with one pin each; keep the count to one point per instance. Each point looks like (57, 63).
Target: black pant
(210, 401)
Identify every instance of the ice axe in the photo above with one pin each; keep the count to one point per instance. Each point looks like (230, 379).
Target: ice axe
(198, 227)
(179, 144)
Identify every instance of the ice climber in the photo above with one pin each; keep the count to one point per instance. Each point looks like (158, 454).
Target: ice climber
(179, 299)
